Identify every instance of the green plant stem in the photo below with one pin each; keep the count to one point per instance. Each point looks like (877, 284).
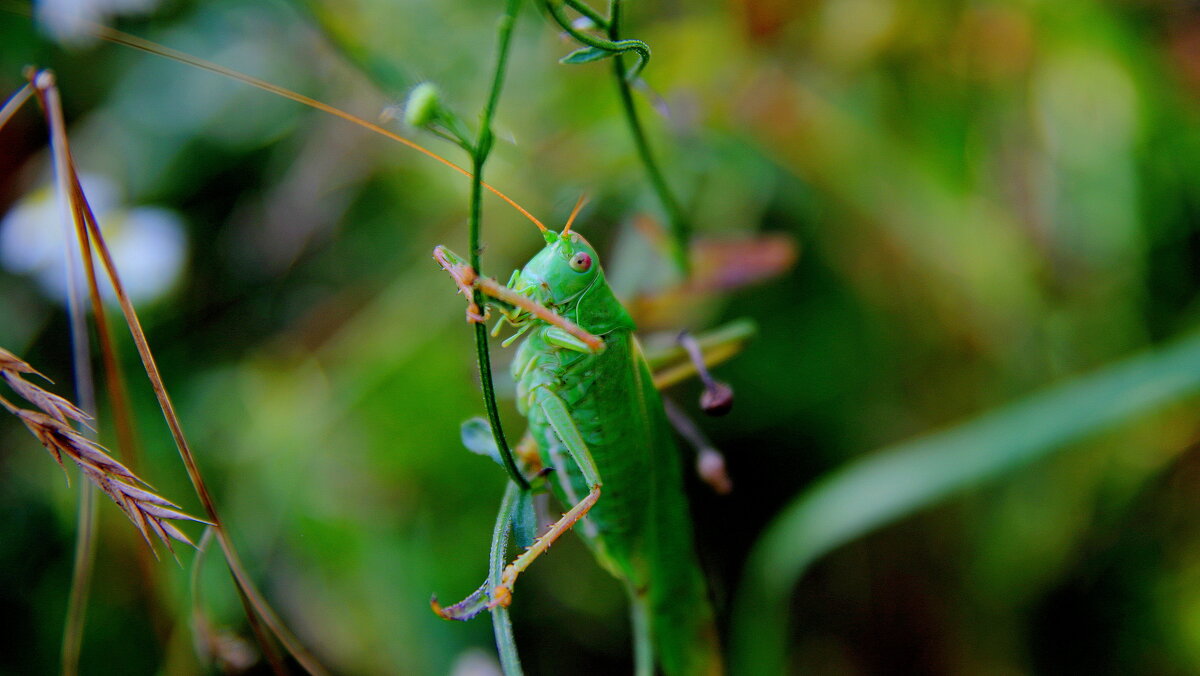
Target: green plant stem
(680, 229)
(81, 579)
(506, 644)
(483, 147)
(501, 623)
(643, 646)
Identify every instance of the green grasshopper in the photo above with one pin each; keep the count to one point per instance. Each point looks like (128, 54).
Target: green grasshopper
(597, 419)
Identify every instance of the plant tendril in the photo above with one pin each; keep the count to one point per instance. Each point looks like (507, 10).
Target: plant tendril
(597, 48)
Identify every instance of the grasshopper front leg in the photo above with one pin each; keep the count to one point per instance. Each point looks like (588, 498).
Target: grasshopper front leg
(468, 280)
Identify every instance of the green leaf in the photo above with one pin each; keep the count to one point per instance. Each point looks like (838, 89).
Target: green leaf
(892, 483)
(524, 520)
(477, 437)
(586, 55)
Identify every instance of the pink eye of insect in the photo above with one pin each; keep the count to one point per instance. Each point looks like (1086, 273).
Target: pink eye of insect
(581, 262)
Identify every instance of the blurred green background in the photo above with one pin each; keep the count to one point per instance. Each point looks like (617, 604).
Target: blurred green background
(989, 198)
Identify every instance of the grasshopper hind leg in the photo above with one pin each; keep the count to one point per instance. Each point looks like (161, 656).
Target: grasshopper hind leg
(559, 418)
(502, 593)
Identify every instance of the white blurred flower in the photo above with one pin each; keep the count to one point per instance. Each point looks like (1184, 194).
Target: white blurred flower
(475, 662)
(147, 243)
(71, 21)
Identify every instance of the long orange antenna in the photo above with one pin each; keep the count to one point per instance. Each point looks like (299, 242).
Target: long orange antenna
(574, 212)
(121, 38)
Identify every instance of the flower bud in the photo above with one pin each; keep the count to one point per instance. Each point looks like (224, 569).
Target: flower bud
(423, 106)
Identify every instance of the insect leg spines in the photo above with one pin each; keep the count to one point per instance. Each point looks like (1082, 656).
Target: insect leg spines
(467, 279)
(564, 427)
(502, 593)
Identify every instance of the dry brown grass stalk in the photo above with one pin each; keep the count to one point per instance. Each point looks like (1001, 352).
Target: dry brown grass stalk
(254, 603)
(150, 513)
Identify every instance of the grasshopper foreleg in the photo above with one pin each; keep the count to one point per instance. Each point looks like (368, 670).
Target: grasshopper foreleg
(464, 278)
(468, 280)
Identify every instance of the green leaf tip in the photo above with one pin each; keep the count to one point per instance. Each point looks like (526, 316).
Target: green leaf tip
(477, 437)
(524, 519)
(586, 55)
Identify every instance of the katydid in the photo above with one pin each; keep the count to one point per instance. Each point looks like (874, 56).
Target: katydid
(598, 421)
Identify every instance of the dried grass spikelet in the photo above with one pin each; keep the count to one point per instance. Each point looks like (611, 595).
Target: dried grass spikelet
(149, 512)
(11, 370)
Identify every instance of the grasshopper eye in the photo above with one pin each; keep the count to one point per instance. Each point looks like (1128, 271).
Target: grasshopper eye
(581, 262)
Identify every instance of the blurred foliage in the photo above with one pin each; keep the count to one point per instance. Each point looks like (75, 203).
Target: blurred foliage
(991, 198)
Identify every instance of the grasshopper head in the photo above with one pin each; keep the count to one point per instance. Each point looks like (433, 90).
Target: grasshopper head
(560, 273)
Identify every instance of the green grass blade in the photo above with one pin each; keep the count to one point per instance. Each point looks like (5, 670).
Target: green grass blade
(896, 481)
